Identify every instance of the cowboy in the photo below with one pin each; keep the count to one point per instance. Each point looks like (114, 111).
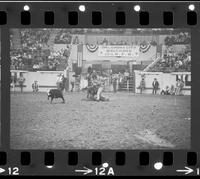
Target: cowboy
(21, 81)
(35, 86)
(99, 84)
(142, 85)
(72, 81)
(60, 81)
(155, 85)
(181, 87)
(178, 87)
(114, 82)
(89, 78)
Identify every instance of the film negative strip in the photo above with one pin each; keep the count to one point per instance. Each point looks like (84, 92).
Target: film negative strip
(100, 88)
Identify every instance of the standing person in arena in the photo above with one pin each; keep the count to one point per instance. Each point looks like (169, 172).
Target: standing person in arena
(62, 82)
(126, 77)
(89, 79)
(181, 87)
(13, 80)
(35, 87)
(178, 86)
(120, 80)
(142, 85)
(59, 81)
(21, 81)
(114, 82)
(72, 83)
(155, 85)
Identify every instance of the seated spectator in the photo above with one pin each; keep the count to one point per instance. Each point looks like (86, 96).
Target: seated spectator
(36, 67)
(172, 90)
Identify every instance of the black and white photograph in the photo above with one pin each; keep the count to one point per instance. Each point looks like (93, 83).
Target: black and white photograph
(106, 88)
(0, 88)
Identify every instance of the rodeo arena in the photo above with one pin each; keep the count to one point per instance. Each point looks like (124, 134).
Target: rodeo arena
(100, 88)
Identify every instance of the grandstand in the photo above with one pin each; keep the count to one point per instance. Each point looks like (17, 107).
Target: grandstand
(105, 50)
(177, 58)
(44, 42)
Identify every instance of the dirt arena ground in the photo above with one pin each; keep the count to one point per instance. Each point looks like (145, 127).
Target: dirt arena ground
(127, 121)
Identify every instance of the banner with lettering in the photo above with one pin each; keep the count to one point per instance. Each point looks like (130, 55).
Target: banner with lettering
(80, 55)
(118, 51)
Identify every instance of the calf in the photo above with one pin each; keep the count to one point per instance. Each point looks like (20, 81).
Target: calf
(91, 92)
(55, 93)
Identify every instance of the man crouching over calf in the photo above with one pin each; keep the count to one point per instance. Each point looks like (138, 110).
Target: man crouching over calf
(55, 93)
(99, 83)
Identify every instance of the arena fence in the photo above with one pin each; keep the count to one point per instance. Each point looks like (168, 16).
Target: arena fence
(164, 79)
(47, 80)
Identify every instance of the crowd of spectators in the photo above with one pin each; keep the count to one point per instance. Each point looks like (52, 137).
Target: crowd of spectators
(63, 37)
(136, 31)
(180, 38)
(56, 58)
(121, 31)
(117, 41)
(175, 62)
(17, 60)
(78, 31)
(34, 39)
(33, 54)
(107, 42)
(38, 60)
(106, 31)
